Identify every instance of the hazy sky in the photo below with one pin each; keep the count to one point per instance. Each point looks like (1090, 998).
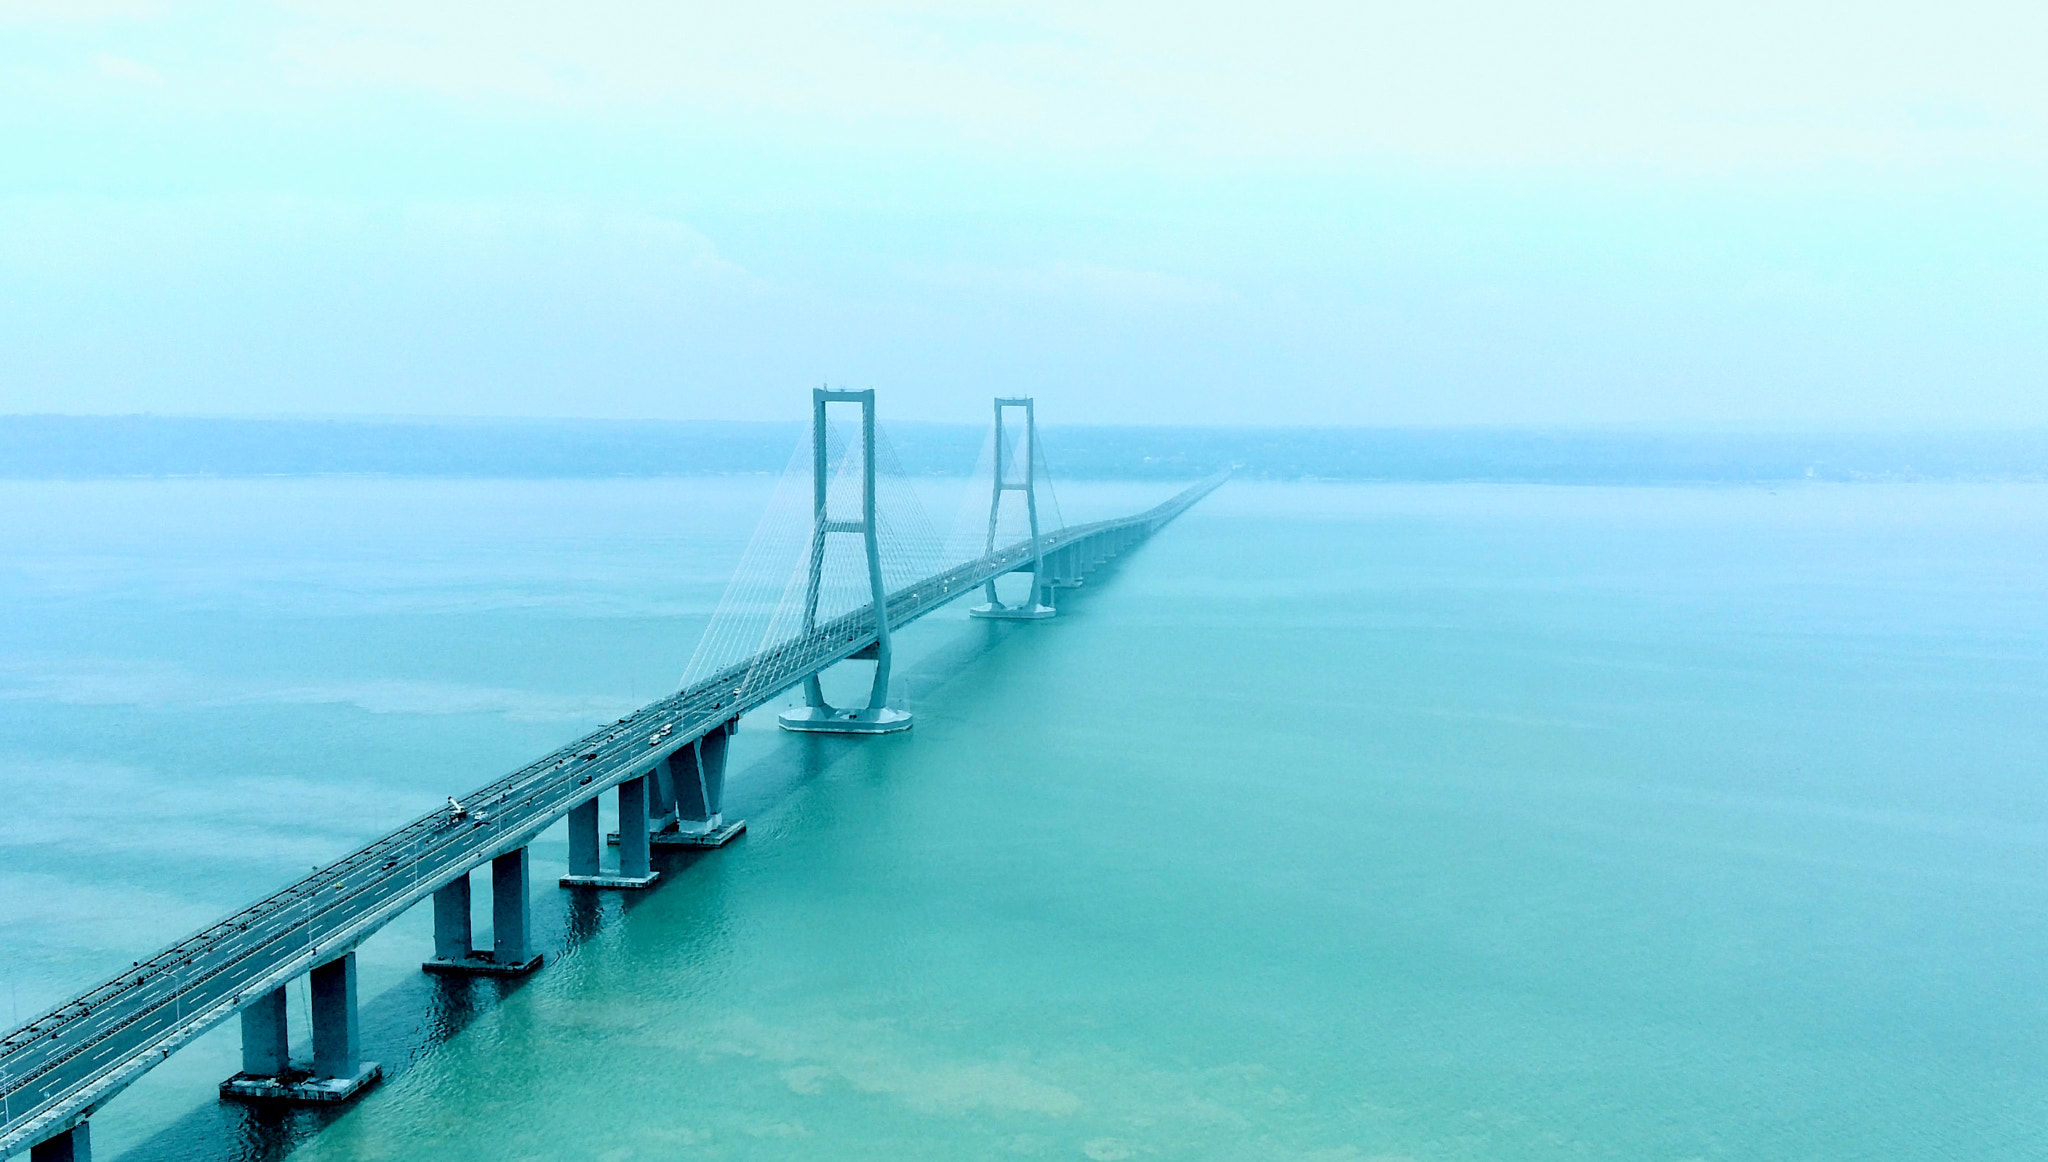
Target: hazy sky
(1785, 213)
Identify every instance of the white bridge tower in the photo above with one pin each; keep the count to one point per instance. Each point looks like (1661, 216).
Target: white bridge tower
(815, 715)
(1038, 604)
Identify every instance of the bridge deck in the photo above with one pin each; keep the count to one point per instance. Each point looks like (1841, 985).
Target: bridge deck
(56, 1068)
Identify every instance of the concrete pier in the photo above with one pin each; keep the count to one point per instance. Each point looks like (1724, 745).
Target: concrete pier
(661, 798)
(698, 774)
(452, 937)
(1066, 568)
(511, 916)
(510, 953)
(584, 853)
(338, 1071)
(636, 862)
(693, 779)
(266, 1038)
(337, 1037)
(73, 1145)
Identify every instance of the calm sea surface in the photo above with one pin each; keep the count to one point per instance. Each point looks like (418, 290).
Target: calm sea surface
(1433, 823)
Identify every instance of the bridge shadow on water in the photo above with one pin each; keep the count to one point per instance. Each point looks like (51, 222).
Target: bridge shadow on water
(405, 1024)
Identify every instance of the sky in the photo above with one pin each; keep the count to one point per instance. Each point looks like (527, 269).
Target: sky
(1782, 215)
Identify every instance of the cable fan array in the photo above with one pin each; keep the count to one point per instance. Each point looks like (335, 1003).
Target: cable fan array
(767, 604)
(970, 535)
(763, 610)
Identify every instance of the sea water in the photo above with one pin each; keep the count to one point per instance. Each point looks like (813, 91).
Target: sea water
(1337, 821)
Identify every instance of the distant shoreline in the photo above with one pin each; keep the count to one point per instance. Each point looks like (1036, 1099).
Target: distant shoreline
(56, 447)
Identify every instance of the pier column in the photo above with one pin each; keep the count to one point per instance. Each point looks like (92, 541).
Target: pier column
(510, 916)
(1066, 568)
(452, 937)
(73, 1145)
(661, 798)
(681, 771)
(337, 1038)
(266, 1038)
(697, 772)
(712, 749)
(583, 845)
(511, 924)
(635, 859)
(339, 1072)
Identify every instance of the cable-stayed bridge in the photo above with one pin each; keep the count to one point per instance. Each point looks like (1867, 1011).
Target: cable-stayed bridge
(862, 567)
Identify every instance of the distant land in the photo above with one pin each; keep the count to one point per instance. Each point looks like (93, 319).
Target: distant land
(84, 447)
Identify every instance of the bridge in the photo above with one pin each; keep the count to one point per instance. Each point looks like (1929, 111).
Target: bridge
(665, 762)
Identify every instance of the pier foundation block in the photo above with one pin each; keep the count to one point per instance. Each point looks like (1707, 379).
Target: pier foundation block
(835, 720)
(1028, 611)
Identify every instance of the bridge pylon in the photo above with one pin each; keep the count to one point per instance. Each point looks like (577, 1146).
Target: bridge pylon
(816, 715)
(1039, 604)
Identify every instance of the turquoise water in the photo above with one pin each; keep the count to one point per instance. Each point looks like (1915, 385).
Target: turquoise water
(1375, 822)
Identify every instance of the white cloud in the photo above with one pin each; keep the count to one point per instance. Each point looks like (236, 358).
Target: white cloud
(77, 11)
(1091, 284)
(121, 68)
(1414, 212)
(1465, 83)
